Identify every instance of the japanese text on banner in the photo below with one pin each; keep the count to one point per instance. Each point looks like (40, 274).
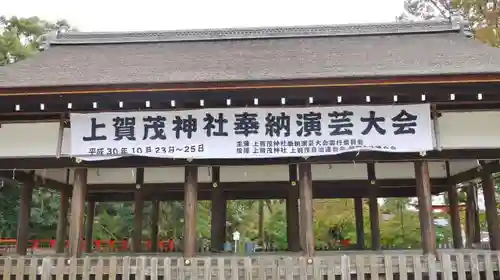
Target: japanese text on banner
(252, 132)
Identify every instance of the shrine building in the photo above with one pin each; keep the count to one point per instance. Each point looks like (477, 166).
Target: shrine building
(296, 113)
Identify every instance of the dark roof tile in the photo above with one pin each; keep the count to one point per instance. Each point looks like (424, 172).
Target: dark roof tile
(253, 54)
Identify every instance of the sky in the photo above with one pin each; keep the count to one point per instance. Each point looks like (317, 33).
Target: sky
(113, 15)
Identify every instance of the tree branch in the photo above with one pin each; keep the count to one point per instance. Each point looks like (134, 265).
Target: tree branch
(442, 11)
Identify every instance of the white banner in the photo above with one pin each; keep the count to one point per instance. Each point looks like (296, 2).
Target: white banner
(252, 132)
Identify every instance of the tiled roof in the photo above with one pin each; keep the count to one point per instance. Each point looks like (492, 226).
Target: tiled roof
(341, 51)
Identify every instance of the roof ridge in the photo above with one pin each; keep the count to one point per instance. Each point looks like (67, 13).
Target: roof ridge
(71, 38)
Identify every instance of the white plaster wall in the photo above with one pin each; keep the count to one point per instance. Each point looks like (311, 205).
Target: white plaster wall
(263, 173)
(55, 174)
(344, 171)
(151, 175)
(257, 173)
(469, 130)
(457, 130)
(28, 139)
(457, 166)
(174, 175)
(66, 144)
(406, 170)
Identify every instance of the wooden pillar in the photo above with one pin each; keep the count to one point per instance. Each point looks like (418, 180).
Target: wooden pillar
(455, 217)
(490, 204)
(469, 217)
(62, 223)
(472, 217)
(155, 212)
(223, 233)
(306, 209)
(138, 211)
(373, 207)
(218, 228)
(292, 211)
(24, 215)
(427, 228)
(89, 225)
(292, 220)
(477, 221)
(190, 203)
(360, 229)
(77, 212)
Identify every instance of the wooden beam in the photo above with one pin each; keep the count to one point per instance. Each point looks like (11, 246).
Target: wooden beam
(271, 193)
(434, 85)
(474, 173)
(427, 228)
(77, 212)
(263, 185)
(138, 211)
(190, 203)
(306, 209)
(25, 176)
(132, 162)
(24, 216)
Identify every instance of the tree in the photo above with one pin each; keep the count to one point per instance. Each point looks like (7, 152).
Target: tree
(425, 9)
(21, 37)
(484, 16)
(9, 207)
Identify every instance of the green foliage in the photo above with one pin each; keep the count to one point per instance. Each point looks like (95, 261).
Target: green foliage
(275, 228)
(20, 37)
(9, 208)
(483, 15)
(113, 220)
(44, 212)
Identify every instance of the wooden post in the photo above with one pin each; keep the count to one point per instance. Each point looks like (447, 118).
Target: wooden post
(472, 217)
(89, 225)
(77, 212)
(138, 211)
(190, 203)
(374, 220)
(155, 212)
(455, 218)
(292, 211)
(306, 209)
(292, 219)
(24, 216)
(427, 228)
(218, 227)
(62, 223)
(469, 218)
(360, 228)
(373, 207)
(490, 204)
(477, 222)
(223, 232)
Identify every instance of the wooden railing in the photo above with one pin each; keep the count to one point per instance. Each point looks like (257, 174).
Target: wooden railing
(386, 265)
